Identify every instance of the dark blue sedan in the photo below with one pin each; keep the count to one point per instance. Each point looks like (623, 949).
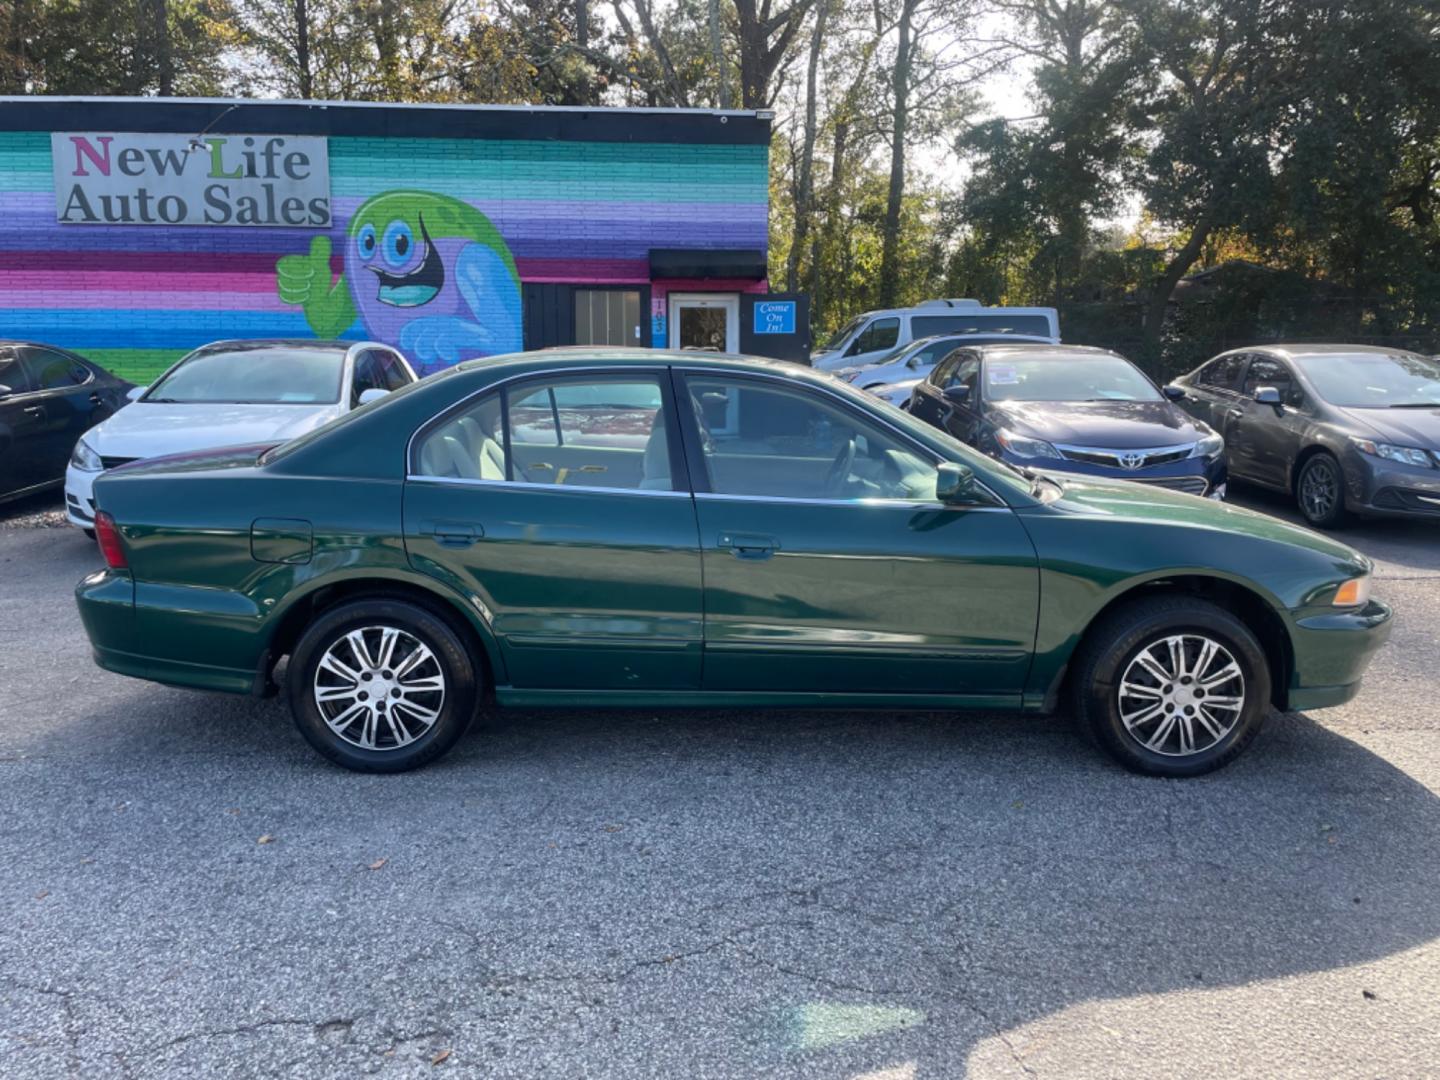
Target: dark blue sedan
(1069, 408)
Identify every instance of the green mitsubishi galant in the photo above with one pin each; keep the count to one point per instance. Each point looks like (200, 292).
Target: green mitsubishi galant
(592, 527)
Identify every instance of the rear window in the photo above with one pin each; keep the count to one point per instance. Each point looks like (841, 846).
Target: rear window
(980, 323)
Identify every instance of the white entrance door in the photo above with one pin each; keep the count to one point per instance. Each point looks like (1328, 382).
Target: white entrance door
(709, 321)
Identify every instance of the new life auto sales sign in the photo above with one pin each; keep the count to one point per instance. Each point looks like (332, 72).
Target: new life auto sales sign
(149, 179)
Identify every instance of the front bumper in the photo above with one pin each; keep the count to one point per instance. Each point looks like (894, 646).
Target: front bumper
(1332, 651)
(1389, 489)
(80, 497)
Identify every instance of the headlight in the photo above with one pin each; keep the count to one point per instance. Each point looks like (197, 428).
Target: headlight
(1353, 593)
(1020, 446)
(84, 458)
(1209, 446)
(1406, 455)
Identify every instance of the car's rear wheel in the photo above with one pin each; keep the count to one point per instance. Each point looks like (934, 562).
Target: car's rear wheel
(1320, 492)
(382, 686)
(1172, 686)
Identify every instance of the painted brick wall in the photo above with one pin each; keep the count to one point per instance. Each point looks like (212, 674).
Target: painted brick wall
(134, 297)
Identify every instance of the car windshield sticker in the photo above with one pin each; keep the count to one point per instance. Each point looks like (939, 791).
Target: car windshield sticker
(1003, 375)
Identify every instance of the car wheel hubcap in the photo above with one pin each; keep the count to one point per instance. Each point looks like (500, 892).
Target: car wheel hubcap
(1318, 491)
(379, 688)
(1181, 695)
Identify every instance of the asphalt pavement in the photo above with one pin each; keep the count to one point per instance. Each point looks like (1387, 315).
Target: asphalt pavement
(187, 890)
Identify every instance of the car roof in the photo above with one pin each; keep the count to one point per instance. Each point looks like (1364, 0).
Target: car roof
(622, 357)
(307, 343)
(1041, 351)
(1322, 349)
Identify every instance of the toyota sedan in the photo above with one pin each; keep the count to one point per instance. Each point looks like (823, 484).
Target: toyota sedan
(592, 528)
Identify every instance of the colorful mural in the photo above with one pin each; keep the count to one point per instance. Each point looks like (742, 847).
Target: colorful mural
(425, 272)
(494, 212)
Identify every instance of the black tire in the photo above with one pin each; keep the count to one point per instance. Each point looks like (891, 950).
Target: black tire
(1322, 473)
(455, 704)
(90, 533)
(1114, 643)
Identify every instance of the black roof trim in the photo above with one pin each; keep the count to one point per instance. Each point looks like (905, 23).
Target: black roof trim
(189, 116)
(743, 263)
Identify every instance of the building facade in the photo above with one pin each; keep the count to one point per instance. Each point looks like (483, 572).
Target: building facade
(138, 229)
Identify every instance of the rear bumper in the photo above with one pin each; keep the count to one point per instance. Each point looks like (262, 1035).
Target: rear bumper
(107, 608)
(1332, 651)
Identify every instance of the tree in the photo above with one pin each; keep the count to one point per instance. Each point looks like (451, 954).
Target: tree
(928, 92)
(1211, 123)
(119, 47)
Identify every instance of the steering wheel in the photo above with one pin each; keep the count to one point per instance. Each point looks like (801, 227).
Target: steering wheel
(840, 467)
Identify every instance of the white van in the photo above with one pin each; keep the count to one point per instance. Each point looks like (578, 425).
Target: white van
(866, 338)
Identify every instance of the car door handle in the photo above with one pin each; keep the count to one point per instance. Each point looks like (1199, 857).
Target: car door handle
(34, 410)
(452, 533)
(748, 545)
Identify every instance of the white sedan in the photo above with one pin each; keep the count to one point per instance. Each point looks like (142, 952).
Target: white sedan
(229, 394)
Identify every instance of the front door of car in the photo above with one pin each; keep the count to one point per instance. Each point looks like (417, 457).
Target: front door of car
(829, 565)
(558, 505)
(66, 391)
(960, 418)
(1261, 440)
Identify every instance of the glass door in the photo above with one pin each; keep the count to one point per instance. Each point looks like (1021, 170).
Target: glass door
(709, 322)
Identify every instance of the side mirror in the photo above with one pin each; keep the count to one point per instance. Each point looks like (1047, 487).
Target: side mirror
(957, 395)
(954, 483)
(1267, 395)
(1174, 391)
(375, 393)
(133, 394)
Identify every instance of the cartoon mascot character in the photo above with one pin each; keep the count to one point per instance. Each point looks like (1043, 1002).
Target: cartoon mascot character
(424, 272)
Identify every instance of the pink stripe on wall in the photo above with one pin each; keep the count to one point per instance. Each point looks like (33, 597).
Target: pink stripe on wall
(261, 281)
(137, 297)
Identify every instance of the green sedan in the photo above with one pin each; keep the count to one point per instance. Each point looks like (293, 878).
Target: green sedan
(593, 527)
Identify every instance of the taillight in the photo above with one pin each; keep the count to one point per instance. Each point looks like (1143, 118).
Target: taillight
(108, 537)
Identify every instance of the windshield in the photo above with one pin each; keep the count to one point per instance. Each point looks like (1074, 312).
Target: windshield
(840, 335)
(254, 375)
(1067, 378)
(1374, 380)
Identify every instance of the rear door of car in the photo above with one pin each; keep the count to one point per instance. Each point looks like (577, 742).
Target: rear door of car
(559, 504)
(1215, 390)
(22, 423)
(830, 567)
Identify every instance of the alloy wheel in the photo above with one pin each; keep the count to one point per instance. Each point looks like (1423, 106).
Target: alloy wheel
(1319, 490)
(1181, 695)
(379, 688)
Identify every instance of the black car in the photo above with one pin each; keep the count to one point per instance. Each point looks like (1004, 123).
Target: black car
(1343, 428)
(1069, 408)
(48, 398)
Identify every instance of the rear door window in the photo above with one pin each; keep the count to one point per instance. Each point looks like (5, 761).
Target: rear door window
(1223, 373)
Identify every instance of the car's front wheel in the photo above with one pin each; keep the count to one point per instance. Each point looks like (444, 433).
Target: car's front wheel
(1172, 686)
(1320, 492)
(382, 685)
